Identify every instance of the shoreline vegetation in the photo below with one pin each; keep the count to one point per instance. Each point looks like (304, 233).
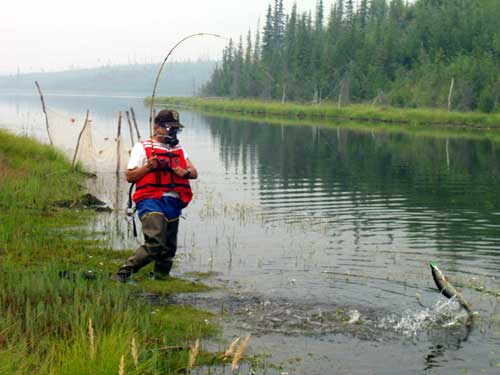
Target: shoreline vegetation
(412, 54)
(331, 112)
(59, 311)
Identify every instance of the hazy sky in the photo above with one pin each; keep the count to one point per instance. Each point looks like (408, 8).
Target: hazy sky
(49, 35)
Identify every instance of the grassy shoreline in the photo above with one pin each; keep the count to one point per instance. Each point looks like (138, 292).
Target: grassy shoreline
(329, 111)
(434, 131)
(59, 312)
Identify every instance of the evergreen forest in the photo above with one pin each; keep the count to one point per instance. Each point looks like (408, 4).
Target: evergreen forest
(424, 53)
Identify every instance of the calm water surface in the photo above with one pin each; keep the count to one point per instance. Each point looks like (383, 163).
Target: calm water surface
(312, 228)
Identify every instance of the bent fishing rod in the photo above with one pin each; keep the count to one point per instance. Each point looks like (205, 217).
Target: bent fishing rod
(161, 68)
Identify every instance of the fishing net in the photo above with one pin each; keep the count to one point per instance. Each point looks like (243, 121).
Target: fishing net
(93, 143)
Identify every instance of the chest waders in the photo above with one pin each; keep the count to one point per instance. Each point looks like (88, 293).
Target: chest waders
(160, 233)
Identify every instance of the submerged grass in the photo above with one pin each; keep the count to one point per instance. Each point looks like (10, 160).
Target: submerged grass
(59, 312)
(330, 111)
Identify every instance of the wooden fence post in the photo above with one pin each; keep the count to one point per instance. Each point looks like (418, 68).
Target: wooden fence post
(79, 138)
(44, 112)
(118, 143)
(130, 128)
(135, 123)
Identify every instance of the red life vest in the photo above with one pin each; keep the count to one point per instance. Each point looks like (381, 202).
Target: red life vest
(163, 179)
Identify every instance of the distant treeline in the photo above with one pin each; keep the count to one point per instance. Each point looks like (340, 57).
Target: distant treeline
(390, 52)
(178, 78)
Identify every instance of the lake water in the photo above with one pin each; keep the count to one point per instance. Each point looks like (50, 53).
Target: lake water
(322, 235)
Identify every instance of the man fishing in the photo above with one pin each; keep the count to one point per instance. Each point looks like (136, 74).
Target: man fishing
(161, 170)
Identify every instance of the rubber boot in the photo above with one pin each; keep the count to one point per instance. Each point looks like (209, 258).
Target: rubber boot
(162, 269)
(121, 277)
(133, 264)
(165, 260)
(154, 227)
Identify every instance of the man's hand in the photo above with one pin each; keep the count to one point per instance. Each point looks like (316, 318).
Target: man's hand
(152, 163)
(181, 172)
(134, 175)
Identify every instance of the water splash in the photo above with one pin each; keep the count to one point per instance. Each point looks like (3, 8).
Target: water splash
(443, 314)
(354, 316)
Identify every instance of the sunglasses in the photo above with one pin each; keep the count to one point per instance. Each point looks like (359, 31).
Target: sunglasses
(168, 127)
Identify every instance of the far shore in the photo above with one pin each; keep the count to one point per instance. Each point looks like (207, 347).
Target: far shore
(331, 111)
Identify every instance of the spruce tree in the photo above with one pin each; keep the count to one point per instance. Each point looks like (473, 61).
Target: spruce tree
(402, 53)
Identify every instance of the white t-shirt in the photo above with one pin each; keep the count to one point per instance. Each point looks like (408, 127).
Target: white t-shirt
(138, 157)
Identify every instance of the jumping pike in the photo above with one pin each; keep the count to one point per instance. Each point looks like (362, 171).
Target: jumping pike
(447, 289)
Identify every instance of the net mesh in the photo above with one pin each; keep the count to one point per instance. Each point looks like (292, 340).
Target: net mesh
(96, 146)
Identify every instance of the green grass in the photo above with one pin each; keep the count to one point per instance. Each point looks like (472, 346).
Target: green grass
(47, 298)
(330, 111)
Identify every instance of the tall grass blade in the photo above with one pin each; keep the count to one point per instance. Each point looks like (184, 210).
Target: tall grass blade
(239, 353)
(194, 354)
(135, 354)
(121, 370)
(91, 340)
(230, 350)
